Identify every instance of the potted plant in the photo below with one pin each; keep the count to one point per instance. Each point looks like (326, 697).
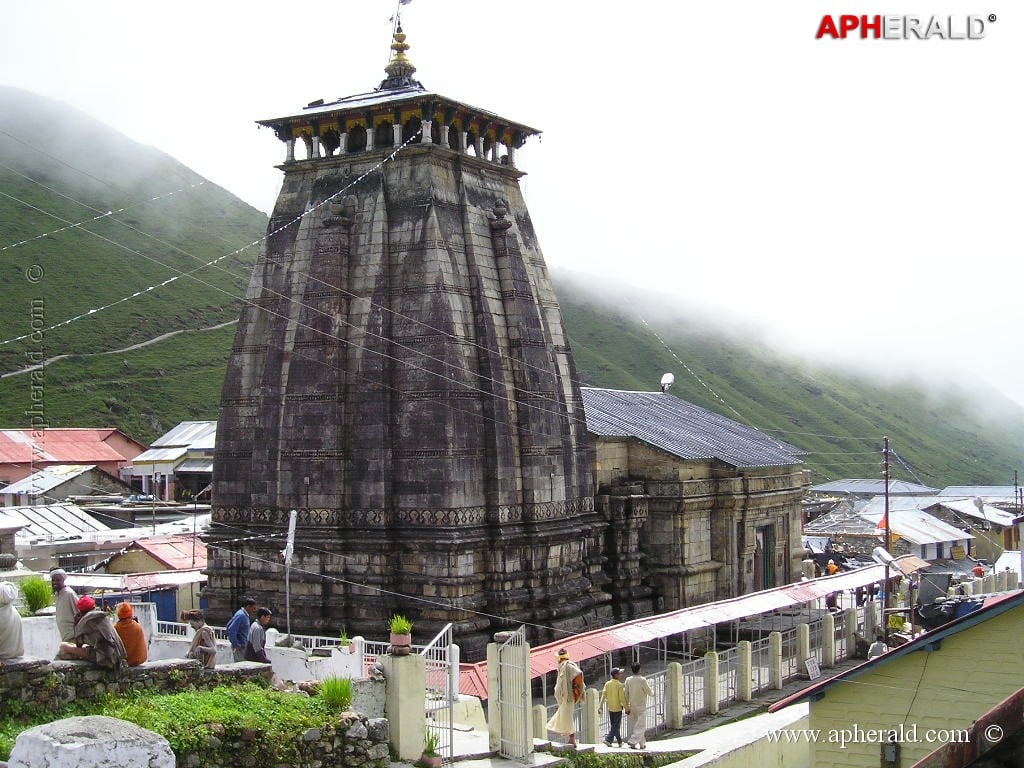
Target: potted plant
(431, 758)
(401, 635)
(347, 646)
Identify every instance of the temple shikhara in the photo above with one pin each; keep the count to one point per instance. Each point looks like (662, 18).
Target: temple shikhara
(402, 379)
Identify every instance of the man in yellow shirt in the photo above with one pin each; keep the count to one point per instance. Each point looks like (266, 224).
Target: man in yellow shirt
(614, 695)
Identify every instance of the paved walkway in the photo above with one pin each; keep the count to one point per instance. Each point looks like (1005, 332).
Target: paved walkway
(711, 736)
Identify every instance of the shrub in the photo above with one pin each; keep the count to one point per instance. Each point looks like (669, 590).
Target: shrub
(337, 692)
(38, 593)
(400, 625)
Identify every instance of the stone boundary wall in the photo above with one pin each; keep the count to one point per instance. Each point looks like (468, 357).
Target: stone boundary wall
(55, 684)
(355, 741)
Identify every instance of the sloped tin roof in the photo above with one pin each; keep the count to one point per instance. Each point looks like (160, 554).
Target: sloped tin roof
(683, 429)
(21, 446)
(54, 521)
(587, 645)
(871, 486)
(195, 435)
(47, 479)
(176, 552)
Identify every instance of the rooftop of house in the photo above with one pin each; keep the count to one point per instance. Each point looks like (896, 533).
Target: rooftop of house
(47, 479)
(682, 429)
(178, 552)
(68, 446)
(871, 487)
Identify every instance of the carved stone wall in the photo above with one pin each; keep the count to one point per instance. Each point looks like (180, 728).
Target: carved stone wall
(401, 377)
(695, 541)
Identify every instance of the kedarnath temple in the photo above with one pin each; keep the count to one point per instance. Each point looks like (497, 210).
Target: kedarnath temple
(401, 377)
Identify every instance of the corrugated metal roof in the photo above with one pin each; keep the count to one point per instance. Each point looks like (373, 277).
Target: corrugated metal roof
(871, 486)
(196, 465)
(46, 479)
(54, 520)
(135, 582)
(838, 521)
(194, 435)
(968, 508)
(993, 493)
(159, 455)
(682, 429)
(913, 524)
(176, 552)
(544, 658)
(22, 446)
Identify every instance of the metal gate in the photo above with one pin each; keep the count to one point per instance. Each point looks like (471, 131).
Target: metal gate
(513, 697)
(442, 669)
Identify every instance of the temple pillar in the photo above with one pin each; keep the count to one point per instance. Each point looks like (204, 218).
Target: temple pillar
(444, 136)
(426, 138)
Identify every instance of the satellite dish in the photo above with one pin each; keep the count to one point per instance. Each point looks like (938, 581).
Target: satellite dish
(667, 381)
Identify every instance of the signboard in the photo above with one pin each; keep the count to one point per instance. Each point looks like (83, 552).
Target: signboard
(813, 670)
(959, 553)
(895, 621)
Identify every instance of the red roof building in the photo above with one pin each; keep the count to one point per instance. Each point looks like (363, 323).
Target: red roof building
(26, 451)
(160, 553)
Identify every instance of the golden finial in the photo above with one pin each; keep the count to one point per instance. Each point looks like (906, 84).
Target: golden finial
(399, 70)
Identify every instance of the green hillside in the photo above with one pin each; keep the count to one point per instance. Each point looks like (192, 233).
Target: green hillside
(59, 168)
(840, 419)
(89, 192)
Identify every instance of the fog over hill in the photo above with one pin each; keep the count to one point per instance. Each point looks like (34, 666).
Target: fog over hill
(98, 227)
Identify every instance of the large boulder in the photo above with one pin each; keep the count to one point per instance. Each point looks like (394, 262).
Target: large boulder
(90, 742)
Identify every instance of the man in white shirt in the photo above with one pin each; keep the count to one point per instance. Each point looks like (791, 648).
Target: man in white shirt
(638, 690)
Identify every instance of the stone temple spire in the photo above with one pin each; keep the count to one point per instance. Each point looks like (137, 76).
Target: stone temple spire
(399, 70)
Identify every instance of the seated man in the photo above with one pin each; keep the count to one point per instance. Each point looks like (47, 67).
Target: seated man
(131, 634)
(204, 644)
(94, 638)
(11, 645)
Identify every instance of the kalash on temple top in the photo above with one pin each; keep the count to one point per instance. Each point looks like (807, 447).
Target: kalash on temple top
(396, 113)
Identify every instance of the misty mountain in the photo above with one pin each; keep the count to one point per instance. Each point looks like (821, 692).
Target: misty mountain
(80, 230)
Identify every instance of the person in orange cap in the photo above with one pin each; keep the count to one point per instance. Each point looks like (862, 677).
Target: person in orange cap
(568, 692)
(132, 635)
(94, 639)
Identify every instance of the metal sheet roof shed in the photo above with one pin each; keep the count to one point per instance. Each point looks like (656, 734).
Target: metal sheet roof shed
(54, 521)
(682, 429)
(588, 645)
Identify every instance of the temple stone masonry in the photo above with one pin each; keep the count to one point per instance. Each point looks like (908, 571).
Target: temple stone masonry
(401, 378)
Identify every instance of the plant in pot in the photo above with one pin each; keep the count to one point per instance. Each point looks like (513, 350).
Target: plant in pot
(431, 758)
(401, 635)
(346, 644)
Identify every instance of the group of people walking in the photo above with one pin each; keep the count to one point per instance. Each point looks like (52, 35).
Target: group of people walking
(627, 697)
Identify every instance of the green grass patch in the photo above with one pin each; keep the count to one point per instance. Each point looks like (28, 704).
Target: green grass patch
(272, 720)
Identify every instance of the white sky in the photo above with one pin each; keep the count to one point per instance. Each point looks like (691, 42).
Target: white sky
(857, 199)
